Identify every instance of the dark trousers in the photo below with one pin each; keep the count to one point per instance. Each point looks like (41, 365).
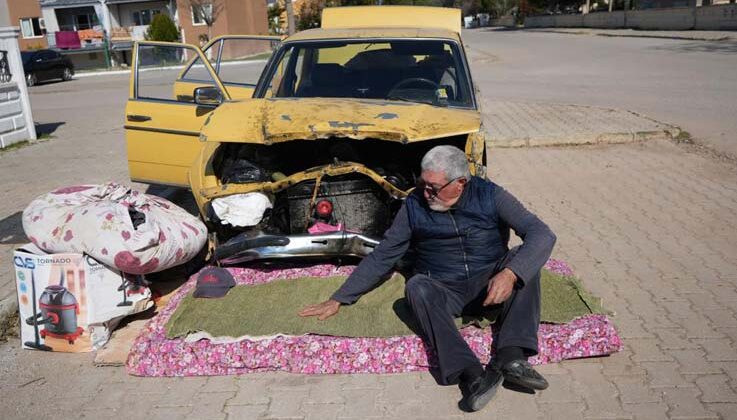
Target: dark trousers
(436, 303)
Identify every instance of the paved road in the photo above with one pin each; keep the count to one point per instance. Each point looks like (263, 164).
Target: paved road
(688, 83)
(649, 227)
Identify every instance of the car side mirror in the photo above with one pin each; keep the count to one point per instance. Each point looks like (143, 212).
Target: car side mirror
(208, 96)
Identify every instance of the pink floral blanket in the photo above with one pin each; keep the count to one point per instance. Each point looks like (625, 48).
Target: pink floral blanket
(155, 355)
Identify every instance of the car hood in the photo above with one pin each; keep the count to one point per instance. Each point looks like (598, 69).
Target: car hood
(270, 120)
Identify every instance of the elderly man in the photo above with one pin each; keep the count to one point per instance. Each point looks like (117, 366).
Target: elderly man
(458, 227)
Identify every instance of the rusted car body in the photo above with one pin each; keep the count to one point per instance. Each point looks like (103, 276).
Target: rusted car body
(315, 158)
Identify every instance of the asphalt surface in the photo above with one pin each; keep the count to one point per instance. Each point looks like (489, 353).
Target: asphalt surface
(692, 84)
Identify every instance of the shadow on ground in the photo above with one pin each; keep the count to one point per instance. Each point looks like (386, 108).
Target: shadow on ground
(47, 129)
(11, 230)
(719, 47)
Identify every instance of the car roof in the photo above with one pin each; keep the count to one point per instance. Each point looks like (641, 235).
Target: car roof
(372, 33)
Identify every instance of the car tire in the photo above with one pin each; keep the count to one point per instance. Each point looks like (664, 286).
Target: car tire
(67, 74)
(31, 79)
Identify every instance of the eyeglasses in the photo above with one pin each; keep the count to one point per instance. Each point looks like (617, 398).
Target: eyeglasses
(430, 190)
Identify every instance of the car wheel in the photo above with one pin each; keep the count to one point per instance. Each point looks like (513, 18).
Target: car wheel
(67, 75)
(31, 79)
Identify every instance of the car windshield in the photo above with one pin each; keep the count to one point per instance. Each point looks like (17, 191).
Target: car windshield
(424, 71)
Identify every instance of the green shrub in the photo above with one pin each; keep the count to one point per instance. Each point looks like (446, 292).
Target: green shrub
(162, 28)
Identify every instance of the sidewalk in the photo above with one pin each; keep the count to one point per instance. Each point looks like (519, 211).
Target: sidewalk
(650, 227)
(515, 124)
(634, 33)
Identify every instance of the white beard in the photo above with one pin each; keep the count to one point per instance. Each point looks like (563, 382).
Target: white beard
(434, 205)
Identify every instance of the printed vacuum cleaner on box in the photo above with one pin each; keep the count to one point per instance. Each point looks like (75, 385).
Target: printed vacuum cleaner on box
(70, 302)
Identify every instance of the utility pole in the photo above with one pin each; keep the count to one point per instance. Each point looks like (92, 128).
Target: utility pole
(290, 17)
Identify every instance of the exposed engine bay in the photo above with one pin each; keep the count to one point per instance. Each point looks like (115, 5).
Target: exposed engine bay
(326, 215)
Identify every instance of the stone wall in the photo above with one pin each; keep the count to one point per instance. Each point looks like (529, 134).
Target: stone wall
(606, 20)
(507, 21)
(718, 17)
(12, 121)
(662, 19)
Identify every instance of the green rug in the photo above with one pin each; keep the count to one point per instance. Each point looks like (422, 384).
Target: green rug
(271, 309)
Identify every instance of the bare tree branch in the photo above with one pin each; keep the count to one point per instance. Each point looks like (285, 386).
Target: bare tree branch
(207, 11)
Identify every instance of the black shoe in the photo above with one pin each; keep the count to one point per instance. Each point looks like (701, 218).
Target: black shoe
(520, 372)
(481, 390)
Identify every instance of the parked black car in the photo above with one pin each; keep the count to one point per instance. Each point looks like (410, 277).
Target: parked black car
(43, 65)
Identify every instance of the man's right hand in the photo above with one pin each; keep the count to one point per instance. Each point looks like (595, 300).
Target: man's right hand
(323, 310)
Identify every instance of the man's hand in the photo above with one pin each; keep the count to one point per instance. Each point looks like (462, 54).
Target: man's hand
(500, 287)
(323, 310)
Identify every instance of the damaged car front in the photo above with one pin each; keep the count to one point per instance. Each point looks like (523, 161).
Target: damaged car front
(319, 161)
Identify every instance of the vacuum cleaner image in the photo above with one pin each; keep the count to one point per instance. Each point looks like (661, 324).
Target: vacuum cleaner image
(58, 316)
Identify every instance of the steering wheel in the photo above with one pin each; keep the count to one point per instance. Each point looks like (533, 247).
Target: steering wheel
(411, 80)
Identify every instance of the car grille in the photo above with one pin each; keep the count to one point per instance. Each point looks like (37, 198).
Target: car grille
(360, 204)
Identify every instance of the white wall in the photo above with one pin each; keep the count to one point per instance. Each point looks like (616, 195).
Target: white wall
(16, 120)
(52, 25)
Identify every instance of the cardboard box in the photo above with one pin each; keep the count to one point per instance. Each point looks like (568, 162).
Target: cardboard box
(71, 302)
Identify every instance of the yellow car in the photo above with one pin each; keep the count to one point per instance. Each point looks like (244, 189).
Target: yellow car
(304, 146)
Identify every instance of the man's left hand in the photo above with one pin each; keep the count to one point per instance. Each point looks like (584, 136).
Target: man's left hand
(500, 287)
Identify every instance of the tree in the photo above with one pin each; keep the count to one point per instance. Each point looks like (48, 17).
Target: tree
(206, 11)
(162, 28)
(274, 13)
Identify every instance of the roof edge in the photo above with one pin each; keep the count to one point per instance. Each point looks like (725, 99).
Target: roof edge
(392, 17)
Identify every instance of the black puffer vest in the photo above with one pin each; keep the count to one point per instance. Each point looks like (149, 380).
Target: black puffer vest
(463, 242)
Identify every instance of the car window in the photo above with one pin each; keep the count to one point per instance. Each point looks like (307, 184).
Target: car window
(158, 70)
(427, 71)
(237, 61)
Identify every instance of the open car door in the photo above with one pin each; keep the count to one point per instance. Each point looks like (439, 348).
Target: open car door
(163, 121)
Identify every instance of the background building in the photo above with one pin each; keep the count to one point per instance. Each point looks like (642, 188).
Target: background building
(97, 33)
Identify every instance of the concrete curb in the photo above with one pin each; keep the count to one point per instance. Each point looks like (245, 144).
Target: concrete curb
(101, 73)
(593, 139)
(532, 124)
(654, 34)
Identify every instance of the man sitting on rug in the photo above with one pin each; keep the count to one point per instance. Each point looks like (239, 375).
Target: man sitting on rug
(458, 226)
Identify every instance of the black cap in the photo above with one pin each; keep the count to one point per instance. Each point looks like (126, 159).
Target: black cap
(213, 282)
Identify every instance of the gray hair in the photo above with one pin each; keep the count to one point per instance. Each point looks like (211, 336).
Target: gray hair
(449, 160)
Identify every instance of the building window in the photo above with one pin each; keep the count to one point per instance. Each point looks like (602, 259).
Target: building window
(32, 27)
(200, 13)
(144, 17)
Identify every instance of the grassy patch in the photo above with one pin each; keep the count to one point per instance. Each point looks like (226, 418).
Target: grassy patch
(683, 137)
(15, 146)
(9, 327)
